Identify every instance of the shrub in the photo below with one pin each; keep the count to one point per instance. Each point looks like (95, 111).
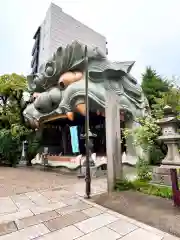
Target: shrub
(143, 170)
(155, 155)
(123, 185)
(150, 189)
(34, 143)
(10, 148)
(11, 144)
(144, 187)
(145, 136)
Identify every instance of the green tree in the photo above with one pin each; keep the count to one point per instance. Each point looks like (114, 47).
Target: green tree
(159, 93)
(153, 85)
(11, 92)
(12, 127)
(170, 98)
(146, 136)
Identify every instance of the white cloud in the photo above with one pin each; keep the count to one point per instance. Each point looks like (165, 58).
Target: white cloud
(146, 31)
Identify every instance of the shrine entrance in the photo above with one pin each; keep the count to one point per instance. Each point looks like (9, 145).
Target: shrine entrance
(57, 136)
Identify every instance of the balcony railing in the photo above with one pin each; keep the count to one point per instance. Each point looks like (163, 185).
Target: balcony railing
(37, 33)
(35, 46)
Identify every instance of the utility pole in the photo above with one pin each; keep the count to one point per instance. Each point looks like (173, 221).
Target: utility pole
(88, 174)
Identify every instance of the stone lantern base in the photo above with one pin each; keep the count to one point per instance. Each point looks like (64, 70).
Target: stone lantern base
(161, 175)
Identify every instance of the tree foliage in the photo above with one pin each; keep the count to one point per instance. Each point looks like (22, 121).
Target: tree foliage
(143, 170)
(11, 92)
(159, 93)
(12, 127)
(146, 134)
(153, 85)
(170, 98)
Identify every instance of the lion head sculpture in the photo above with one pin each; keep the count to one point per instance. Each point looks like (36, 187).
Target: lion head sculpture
(59, 87)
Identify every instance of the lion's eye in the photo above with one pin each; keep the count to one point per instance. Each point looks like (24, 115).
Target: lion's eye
(49, 71)
(62, 85)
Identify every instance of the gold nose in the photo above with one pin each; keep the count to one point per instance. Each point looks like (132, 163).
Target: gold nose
(70, 116)
(68, 78)
(81, 108)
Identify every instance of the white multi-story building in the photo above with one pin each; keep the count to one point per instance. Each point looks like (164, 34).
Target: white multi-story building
(59, 29)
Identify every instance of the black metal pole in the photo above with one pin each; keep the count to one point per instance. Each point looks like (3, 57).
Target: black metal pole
(88, 175)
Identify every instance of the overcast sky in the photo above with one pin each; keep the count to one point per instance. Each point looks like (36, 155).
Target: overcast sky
(147, 31)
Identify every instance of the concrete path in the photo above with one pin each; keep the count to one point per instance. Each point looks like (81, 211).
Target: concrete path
(60, 212)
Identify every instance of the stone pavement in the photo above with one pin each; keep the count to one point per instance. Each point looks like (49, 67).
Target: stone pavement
(60, 211)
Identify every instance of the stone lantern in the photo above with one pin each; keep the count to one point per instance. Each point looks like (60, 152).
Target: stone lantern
(171, 137)
(171, 162)
(167, 172)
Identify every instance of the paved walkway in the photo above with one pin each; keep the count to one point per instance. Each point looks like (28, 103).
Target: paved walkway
(58, 211)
